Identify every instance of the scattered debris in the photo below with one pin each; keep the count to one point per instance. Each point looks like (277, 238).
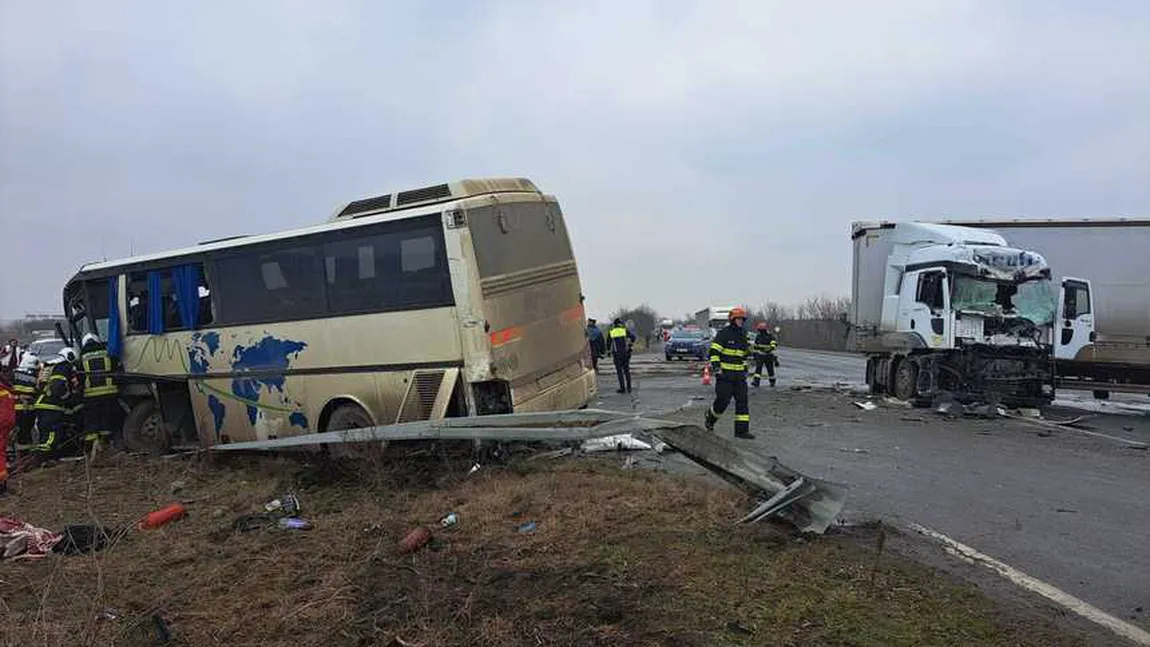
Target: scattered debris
(474, 469)
(866, 406)
(451, 519)
(815, 423)
(629, 462)
(894, 402)
(1128, 429)
(162, 516)
(621, 442)
(1029, 412)
(257, 521)
(950, 408)
(178, 486)
(417, 538)
(294, 523)
(738, 629)
(912, 419)
(1065, 510)
(527, 528)
(287, 505)
(856, 450)
(108, 614)
(83, 538)
(555, 453)
(22, 540)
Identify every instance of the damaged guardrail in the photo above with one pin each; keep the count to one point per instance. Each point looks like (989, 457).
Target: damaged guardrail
(810, 504)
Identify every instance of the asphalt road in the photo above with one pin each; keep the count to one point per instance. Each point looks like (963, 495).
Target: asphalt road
(1065, 507)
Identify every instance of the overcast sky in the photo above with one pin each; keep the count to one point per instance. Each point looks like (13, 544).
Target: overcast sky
(704, 153)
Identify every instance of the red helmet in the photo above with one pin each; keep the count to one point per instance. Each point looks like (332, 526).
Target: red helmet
(762, 325)
(736, 313)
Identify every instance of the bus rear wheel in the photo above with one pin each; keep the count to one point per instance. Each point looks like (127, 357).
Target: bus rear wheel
(145, 430)
(348, 416)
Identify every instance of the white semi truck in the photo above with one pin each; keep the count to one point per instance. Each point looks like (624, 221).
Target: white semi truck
(947, 309)
(1101, 269)
(712, 319)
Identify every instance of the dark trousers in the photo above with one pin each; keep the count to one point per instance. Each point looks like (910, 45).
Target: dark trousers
(725, 389)
(623, 371)
(25, 424)
(100, 419)
(596, 353)
(767, 360)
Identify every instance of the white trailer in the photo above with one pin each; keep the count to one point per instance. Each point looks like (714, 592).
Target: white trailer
(712, 319)
(1102, 269)
(939, 308)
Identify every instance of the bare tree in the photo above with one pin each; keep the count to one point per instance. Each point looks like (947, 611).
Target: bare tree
(823, 307)
(644, 318)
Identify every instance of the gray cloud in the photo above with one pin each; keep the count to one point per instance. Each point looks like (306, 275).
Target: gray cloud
(688, 142)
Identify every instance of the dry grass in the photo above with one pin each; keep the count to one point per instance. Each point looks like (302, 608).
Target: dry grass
(619, 558)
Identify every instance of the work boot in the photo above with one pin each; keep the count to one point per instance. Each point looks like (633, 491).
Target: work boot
(772, 383)
(755, 382)
(620, 390)
(709, 421)
(628, 388)
(745, 435)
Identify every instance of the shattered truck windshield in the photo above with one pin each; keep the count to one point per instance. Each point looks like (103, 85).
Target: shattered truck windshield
(1032, 300)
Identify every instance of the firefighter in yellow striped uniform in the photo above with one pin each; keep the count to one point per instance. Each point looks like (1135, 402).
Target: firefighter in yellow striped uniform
(26, 387)
(763, 349)
(101, 393)
(729, 351)
(54, 404)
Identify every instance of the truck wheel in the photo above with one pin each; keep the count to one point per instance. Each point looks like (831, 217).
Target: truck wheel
(872, 377)
(905, 380)
(1101, 395)
(145, 430)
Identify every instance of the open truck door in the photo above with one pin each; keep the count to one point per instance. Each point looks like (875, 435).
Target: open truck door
(1075, 330)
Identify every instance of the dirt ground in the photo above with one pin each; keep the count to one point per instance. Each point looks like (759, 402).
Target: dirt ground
(618, 557)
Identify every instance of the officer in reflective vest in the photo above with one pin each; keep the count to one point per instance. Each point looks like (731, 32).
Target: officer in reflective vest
(101, 415)
(26, 388)
(729, 351)
(56, 400)
(621, 342)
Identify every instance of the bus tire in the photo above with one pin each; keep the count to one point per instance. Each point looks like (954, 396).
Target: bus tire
(145, 430)
(348, 416)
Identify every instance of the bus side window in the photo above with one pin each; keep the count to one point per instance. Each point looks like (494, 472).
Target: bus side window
(138, 302)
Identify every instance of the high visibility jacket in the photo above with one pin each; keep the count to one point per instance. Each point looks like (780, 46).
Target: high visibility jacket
(729, 352)
(98, 369)
(25, 387)
(621, 340)
(764, 343)
(57, 393)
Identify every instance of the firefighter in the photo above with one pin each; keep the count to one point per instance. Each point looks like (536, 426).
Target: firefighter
(26, 388)
(729, 352)
(622, 340)
(763, 349)
(55, 405)
(101, 411)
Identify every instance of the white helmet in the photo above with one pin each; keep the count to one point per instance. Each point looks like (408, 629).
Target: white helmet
(89, 338)
(67, 354)
(29, 362)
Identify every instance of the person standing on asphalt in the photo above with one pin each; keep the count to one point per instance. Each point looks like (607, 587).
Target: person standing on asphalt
(622, 340)
(596, 342)
(763, 350)
(729, 351)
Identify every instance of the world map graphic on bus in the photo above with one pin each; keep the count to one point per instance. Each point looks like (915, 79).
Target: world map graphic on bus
(266, 359)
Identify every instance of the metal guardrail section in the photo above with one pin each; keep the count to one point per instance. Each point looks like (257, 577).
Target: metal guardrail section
(811, 505)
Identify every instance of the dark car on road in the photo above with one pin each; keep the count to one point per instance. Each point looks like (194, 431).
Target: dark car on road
(686, 343)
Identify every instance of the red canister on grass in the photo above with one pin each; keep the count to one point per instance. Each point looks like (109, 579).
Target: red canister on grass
(162, 516)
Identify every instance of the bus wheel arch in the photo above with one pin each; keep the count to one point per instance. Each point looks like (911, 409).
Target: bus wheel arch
(344, 413)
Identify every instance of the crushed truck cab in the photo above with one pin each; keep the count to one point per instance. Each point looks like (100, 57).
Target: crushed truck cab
(940, 309)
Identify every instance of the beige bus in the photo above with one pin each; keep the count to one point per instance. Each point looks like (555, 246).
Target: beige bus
(456, 299)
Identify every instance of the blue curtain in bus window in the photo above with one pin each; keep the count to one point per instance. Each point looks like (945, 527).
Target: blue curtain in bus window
(115, 344)
(155, 304)
(187, 282)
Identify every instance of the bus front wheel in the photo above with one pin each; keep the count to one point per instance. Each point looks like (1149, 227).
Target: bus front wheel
(145, 430)
(348, 416)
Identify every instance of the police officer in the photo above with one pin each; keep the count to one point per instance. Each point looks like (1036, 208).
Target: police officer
(621, 342)
(763, 349)
(729, 351)
(101, 406)
(26, 388)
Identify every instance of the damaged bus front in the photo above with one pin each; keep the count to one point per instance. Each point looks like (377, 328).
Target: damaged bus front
(942, 309)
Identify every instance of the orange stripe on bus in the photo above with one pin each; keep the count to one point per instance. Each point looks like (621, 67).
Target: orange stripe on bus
(506, 336)
(571, 315)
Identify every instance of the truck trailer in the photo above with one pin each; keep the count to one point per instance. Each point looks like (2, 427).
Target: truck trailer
(712, 319)
(941, 309)
(1102, 270)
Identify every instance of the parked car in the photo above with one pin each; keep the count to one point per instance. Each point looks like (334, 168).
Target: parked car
(686, 343)
(46, 349)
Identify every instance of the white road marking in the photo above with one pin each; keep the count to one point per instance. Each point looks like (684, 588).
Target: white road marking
(1090, 612)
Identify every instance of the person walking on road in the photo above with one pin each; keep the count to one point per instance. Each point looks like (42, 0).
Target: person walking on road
(729, 351)
(596, 342)
(622, 340)
(763, 349)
